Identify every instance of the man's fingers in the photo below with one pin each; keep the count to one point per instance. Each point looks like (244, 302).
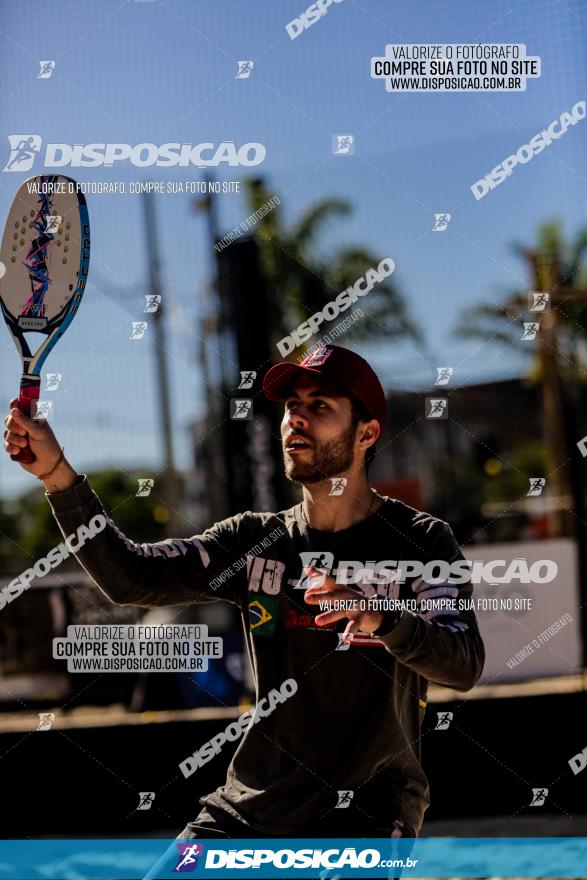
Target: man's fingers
(13, 425)
(326, 599)
(15, 439)
(315, 595)
(352, 627)
(10, 448)
(19, 418)
(329, 617)
(28, 425)
(333, 616)
(320, 577)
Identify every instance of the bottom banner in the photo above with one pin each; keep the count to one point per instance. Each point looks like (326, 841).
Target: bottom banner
(323, 859)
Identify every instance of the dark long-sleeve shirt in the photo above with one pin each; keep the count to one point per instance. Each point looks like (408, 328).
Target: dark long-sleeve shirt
(353, 723)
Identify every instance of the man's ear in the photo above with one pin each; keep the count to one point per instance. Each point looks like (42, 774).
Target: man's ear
(371, 428)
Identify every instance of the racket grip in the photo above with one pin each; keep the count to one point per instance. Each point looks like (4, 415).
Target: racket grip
(27, 396)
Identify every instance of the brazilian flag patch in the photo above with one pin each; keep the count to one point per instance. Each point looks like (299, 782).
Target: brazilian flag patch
(263, 615)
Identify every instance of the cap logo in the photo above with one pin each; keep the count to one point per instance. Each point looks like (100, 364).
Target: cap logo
(317, 357)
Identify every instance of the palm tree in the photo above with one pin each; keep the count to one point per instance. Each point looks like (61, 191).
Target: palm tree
(301, 282)
(556, 266)
(560, 364)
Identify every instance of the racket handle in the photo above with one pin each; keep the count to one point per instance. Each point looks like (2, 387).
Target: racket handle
(27, 396)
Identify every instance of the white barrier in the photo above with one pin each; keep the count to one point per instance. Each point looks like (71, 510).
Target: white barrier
(507, 633)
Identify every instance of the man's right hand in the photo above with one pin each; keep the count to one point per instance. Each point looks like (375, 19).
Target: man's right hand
(20, 428)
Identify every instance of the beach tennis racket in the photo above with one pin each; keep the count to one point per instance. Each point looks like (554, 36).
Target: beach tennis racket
(44, 264)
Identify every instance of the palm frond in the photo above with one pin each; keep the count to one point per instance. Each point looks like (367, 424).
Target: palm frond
(308, 227)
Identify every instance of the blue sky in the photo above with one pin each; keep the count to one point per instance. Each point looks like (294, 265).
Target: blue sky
(157, 72)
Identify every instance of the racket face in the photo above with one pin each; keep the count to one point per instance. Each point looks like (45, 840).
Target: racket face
(45, 258)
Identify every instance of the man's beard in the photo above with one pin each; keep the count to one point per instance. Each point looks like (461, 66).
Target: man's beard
(322, 462)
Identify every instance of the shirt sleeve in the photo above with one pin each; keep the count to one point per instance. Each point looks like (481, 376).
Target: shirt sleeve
(203, 568)
(442, 645)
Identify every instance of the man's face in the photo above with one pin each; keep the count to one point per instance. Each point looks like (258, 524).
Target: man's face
(323, 422)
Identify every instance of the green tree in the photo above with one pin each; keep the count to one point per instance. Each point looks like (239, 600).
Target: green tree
(559, 364)
(31, 530)
(301, 280)
(558, 266)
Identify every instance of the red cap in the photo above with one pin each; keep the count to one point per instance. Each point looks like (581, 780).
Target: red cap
(338, 369)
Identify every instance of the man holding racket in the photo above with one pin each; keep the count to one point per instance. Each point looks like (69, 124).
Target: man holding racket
(340, 756)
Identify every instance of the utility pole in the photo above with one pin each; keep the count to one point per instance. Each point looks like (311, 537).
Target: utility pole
(567, 518)
(169, 477)
(545, 278)
(567, 496)
(215, 354)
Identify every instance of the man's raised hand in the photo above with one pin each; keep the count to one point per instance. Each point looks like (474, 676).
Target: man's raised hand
(325, 591)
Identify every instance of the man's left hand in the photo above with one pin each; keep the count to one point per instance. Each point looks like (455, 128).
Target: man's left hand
(326, 590)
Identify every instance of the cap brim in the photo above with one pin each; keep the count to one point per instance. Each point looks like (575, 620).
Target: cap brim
(278, 380)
